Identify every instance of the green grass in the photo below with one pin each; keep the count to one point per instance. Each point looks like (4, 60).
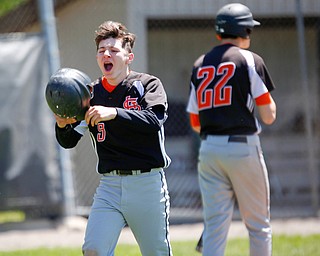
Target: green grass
(7, 5)
(282, 245)
(11, 216)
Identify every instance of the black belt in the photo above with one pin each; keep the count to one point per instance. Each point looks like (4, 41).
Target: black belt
(232, 138)
(128, 172)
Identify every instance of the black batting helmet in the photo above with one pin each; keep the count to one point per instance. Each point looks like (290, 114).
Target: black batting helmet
(68, 93)
(235, 20)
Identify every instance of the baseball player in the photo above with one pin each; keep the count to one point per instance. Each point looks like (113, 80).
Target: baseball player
(125, 120)
(226, 84)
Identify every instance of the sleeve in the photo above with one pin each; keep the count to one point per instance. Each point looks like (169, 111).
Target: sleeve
(143, 121)
(154, 93)
(67, 137)
(192, 106)
(263, 72)
(194, 120)
(154, 109)
(264, 99)
(260, 79)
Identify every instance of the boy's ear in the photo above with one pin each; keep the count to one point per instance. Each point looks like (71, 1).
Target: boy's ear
(130, 58)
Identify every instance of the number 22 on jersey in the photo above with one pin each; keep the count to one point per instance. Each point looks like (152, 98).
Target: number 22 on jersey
(221, 93)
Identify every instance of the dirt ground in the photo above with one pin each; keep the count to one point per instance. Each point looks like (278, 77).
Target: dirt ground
(69, 232)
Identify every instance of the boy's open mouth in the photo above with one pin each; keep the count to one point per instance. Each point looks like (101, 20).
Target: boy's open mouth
(108, 66)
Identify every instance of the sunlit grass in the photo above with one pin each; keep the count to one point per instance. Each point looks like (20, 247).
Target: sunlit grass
(11, 216)
(282, 245)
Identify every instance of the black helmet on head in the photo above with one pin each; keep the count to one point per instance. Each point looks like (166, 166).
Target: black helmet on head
(235, 20)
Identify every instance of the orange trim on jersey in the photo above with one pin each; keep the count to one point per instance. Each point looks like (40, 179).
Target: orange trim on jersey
(194, 120)
(106, 84)
(264, 99)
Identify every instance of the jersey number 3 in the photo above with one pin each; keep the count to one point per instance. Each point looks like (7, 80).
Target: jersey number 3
(221, 93)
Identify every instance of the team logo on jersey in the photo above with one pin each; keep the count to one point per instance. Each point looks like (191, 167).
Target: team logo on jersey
(131, 103)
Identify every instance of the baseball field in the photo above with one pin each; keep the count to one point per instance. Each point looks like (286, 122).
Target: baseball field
(282, 245)
(294, 237)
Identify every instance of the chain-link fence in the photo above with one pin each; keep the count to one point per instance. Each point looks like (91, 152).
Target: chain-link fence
(172, 43)
(285, 143)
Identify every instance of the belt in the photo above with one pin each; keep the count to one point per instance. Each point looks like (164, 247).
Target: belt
(232, 138)
(126, 172)
(237, 138)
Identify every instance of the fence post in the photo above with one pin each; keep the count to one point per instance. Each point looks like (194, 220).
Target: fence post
(308, 112)
(46, 12)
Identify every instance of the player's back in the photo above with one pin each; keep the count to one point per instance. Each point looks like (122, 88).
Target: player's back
(224, 98)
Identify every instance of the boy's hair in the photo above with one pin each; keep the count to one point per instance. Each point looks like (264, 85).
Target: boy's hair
(112, 29)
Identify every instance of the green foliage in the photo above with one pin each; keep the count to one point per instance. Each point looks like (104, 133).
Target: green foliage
(8, 5)
(282, 245)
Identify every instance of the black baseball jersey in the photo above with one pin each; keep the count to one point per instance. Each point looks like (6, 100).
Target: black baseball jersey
(134, 140)
(224, 84)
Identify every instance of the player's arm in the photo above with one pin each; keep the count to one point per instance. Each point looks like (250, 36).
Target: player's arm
(266, 108)
(149, 120)
(192, 109)
(66, 136)
(98, 113)
(153, 113)
(195, 122)
(265, 103)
